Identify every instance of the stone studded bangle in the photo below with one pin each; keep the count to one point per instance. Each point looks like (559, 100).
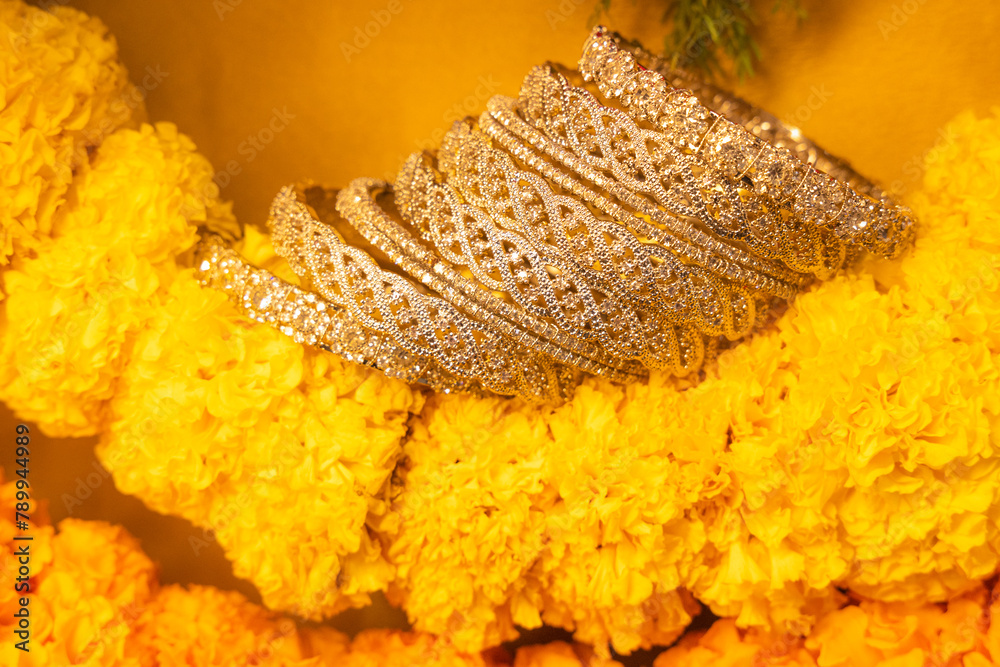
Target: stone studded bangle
(391, 303)
(359, 206)
(663, 288)
(506, 260)
(504, 125)
(646, 164)
(311, 320)
(773, 159)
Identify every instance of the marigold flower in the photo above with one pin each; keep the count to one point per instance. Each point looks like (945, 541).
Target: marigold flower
(851, 445)
(869, 634)
(75, 306)
(64, 92)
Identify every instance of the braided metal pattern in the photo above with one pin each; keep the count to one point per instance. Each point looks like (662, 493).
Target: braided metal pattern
(389, 303)
(684, 183)
(781, 166)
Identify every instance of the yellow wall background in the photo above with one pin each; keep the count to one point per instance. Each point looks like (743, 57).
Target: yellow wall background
(872, 80)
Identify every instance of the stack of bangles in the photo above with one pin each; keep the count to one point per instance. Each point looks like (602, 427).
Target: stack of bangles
(612, 220)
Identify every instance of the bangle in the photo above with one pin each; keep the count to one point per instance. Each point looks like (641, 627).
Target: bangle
(785, 171)
(312, 320)
(357, 204)
(664, 289)
(683, 183)
(391, 304)
(504, 260)
(502, 124)
(468, 236)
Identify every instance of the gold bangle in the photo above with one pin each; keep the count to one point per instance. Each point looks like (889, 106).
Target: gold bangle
(311, 320)
(357, 204)
(390, 303)
(502, 124)
(663, 288)
(683, 183)
(468, 236)
(840, 199)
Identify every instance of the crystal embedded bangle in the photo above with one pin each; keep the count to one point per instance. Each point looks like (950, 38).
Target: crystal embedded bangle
(312, 320)
(392, 304)
(505, 260)
(644, 162)
(357, 204)
(664, 289)
(503, 124)
(790, 169)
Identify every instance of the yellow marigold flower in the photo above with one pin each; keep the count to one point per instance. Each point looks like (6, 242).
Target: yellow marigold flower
(95, 600)
(205, 626)
(64, 92)
(282, 446)
(74, 308)
(388, 648)
(852, 445)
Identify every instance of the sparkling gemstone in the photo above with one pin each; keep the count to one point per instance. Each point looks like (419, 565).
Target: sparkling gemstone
(770, 174)
(616, 71)
(650, 96)
(809, 206)
(260, 297)
(794, 183)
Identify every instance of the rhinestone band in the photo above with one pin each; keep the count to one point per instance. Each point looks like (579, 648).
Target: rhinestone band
(390, 303)
(312, 320)
(542, 275)
(503, 124)
(685, 184)
(665, 288)
(779, 164)
(357, 205)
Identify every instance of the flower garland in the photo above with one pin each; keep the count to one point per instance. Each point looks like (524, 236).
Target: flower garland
(853, 445)
(96, 600)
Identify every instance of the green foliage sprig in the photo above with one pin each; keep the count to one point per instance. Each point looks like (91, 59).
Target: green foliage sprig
(701, 30)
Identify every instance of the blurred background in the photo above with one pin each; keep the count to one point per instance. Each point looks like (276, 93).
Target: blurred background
(274, 92)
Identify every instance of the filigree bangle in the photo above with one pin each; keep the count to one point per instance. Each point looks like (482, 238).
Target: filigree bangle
(683, 183)
(789, 169)
(661, 287)
(357, 204)
(503, 124)
(390, 303)
(312, 320)
(507, 260)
